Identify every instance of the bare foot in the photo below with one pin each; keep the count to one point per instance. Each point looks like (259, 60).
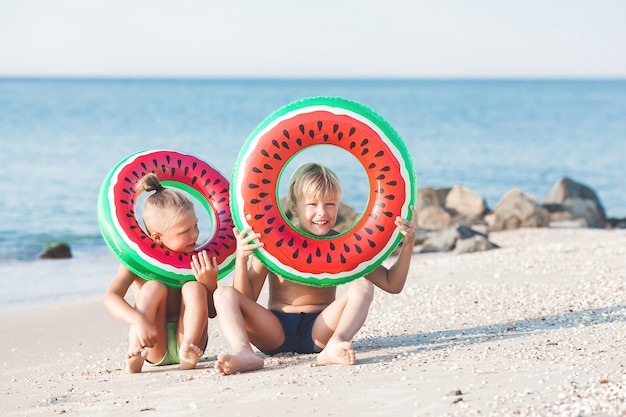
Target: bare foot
(228, 364)
(189, 354)
(135, 359)
(340, 353)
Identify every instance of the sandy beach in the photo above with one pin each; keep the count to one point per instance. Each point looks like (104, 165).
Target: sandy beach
(535, 328)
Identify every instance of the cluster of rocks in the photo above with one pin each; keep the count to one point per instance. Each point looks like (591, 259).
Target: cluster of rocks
(458, 220)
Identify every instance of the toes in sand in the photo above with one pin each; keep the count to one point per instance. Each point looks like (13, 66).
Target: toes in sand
(189, 354)
(341, 353)
(228, 364)
(135, 359)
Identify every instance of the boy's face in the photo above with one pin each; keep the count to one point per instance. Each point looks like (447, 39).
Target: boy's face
(182, 235)
(317, 215)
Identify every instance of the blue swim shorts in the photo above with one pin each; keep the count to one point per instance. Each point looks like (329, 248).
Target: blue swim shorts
(298, 328)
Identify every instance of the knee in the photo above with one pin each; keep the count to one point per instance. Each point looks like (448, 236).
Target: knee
(225, 295)
(156, 289)
(362, 288)
(193, 288)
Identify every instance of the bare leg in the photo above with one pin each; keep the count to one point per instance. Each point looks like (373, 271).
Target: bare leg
(151, 303)
(340, 321)
(192, 327)
(241, 319)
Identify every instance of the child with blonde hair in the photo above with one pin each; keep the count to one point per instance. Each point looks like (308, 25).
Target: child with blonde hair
(301, 318)
(167, 325)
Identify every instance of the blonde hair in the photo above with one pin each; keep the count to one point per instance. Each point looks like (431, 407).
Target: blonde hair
(313, 179)
(162, 200)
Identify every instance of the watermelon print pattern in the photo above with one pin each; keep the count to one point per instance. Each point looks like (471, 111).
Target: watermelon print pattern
(129, 242)
(292, 253)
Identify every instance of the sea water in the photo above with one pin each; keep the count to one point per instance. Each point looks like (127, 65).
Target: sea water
(60, 137)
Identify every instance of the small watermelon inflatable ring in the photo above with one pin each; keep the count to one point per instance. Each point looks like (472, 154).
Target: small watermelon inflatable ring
(292, 253)
(129, 242)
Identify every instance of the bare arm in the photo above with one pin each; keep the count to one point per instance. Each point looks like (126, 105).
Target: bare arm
(393, 279)
(119, 308)
(248, 280)
(205, 270)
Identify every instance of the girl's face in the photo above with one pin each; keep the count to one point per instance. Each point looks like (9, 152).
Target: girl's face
(317, 215)
(182, 235)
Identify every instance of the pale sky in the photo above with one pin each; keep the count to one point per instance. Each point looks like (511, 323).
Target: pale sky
(323, 38)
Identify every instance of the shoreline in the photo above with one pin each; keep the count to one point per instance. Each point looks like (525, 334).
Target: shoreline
(532, 328)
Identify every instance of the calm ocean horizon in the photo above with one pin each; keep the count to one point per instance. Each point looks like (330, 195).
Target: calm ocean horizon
(60, 137)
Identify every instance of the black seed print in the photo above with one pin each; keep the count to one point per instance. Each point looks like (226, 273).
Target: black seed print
(259, 216)
(352, 145)
(203, 173)
(379, 154)
(277, 157)
(392, 183)
(279, 243)
(364, 151)
(340, 136)
(325, 137)
(217, 181)
(186, 171)
(365, 142)
(380, 228)
(268, 230)
(167, 158)
(352, 130)
(380, 177)
(180, 163)
(299, 142)
(388, 213)
(123, 201)
(305, 244)
(266, 181)
(311, 133)
(135, 174)
(163, 168)
(290, 242)
(180, 257)
(265, 153)
(155, 163)
(332, 246)
(346, 248)
(373, 216)
(319, 125)
(390, 197)
(296, 253)
(270, 221)
(207, 182)
(173, 171)
(357, 236)
(268, 207)
(368, 230)
(342, 258)
(193, 180)
(281, 228)
(285, 145)
(143, 164)
(318, 252)
(194, 165)
(372, 243)
(379, 191)
(286, 133)
(335, 128)
(263, 194)
(257, 170)
(309, 259)
(385, 169)
(275, 143)
(371, 166)
(268, 167)
(301, 127)
(329, 258)
(358, 249)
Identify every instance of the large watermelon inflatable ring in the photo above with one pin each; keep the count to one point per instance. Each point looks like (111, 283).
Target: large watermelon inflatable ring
(292, 253)
(129, 242)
